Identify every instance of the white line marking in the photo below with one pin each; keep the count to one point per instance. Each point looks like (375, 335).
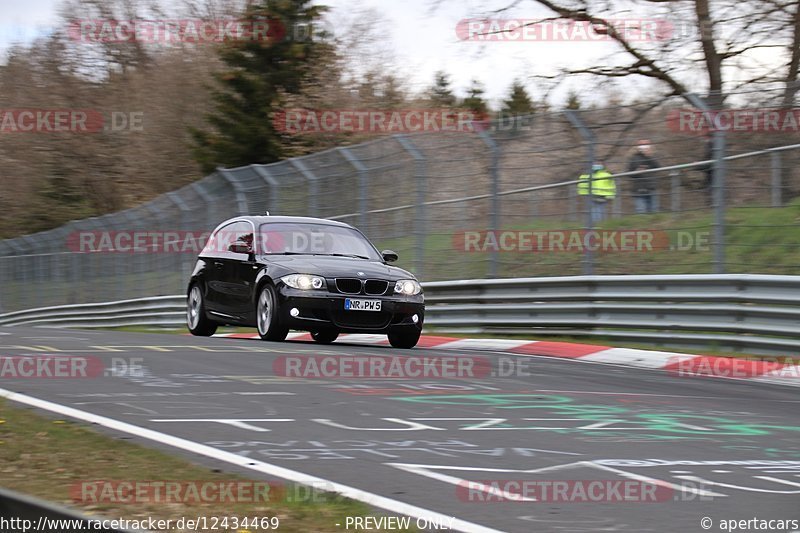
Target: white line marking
(369, 498)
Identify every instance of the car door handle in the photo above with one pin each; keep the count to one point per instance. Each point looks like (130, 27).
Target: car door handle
(218, 264)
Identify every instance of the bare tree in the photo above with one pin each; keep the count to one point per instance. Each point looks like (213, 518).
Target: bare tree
(735, 46)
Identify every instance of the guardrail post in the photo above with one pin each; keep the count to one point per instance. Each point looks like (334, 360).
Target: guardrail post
(313, 185)
(494, 172)
(421, 177)
(775, 163)
(589, 141)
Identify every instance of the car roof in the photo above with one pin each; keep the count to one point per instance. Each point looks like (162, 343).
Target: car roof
(266, 219)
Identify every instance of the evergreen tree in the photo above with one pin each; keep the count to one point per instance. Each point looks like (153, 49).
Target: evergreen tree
(474, 100)
(573, 102)
(441, 92)
(258, 73)
(518, 102)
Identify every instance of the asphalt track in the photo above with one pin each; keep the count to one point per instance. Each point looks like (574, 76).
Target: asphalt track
(722, 449)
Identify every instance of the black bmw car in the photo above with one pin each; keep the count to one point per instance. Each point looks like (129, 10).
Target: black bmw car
(281, 273)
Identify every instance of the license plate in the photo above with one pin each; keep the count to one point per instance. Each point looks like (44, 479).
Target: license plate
(361, 305)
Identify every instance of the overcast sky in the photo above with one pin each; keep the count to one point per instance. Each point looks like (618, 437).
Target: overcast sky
(421, 35)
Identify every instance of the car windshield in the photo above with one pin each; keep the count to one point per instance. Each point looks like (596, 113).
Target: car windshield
(315, 239)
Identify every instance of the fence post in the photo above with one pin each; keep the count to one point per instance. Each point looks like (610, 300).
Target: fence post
(362, 172)
(241, 199)
(179, 262)
(421, 176)
(675, 186)
(197, 186)
(274, 187)
(589, 141)
(775, 160)
(494, 172)
(313, 185)
(718, 184)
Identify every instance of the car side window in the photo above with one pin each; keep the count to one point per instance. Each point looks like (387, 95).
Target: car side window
(236, 232)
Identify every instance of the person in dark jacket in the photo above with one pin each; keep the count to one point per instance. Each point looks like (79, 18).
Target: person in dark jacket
(644, 185)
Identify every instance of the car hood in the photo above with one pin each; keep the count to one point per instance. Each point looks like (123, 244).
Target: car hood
(336, 267)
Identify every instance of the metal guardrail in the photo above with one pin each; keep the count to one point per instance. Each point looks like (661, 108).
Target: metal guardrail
(746, 313)
(18, 510)
(153, 311)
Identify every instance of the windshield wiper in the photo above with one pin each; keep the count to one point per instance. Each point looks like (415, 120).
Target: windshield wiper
(355, 256)
(288, 253)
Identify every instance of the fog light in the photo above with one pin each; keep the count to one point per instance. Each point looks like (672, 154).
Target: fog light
(414, 319)
(294, 311)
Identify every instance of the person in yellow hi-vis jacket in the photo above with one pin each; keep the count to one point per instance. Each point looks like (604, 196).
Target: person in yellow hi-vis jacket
(603, 190)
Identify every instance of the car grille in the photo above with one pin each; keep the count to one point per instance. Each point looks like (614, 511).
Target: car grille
(372, 287)
(361, 319)
(348, 285)
(375, 287)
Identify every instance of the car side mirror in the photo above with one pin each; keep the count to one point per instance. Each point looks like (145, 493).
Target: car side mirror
(240, 248)
(389, 256)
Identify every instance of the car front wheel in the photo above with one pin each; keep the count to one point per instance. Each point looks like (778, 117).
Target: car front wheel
(268, 317)
(196, 319)
(404, 338)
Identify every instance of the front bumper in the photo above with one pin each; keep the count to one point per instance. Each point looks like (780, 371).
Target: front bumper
(320, 310)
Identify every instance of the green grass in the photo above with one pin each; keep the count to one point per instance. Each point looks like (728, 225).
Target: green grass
(47, 457)
(759, 240)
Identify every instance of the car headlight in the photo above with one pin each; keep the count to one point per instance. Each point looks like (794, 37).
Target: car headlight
(409, 287)
(303, 281)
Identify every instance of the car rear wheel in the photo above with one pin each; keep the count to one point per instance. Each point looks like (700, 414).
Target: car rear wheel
(404, 338)
(196, 319)
(325, 336)
(268, 316)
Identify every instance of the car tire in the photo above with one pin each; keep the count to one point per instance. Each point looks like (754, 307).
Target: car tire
(196, 320)
(268, 316)
(325, 336)
(404, 338)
